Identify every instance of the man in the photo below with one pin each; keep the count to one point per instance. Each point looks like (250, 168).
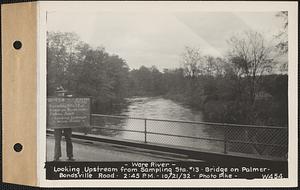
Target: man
(58, 133)
(66, 132)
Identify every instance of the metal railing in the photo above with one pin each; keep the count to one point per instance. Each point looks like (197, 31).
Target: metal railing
(216, 137)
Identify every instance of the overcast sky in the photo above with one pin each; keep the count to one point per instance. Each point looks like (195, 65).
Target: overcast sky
(148, 38)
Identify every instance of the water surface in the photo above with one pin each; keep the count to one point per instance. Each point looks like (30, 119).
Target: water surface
(165, 109)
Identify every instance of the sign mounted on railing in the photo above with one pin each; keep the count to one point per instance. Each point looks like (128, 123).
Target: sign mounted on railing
(68, 112)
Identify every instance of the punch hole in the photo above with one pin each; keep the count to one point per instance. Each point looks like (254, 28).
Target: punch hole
(17, 44)
(18, 147)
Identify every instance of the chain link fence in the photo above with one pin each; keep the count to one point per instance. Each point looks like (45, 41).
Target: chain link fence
(264, 141)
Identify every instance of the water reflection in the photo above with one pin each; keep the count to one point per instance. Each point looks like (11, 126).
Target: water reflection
(160, 108)
(238, 138)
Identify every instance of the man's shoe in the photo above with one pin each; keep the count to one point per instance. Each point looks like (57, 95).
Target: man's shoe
(56, 159)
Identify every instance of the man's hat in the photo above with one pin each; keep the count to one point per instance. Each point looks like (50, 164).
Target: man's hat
(60, 90)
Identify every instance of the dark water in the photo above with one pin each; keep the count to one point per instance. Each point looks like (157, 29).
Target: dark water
(160, 108)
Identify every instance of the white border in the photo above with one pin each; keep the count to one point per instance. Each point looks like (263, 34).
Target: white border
(212, 6)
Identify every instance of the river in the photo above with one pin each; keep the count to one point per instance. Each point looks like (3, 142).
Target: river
(165, 109)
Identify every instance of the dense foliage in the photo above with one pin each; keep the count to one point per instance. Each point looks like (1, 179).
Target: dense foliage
(240, 88)
(84, 71)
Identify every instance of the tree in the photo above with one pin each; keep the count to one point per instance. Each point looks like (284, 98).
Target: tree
(282, 40)
(85, 71)
(101, 76)
(214, 66)
(283, 34)
(61, 52)
(193, 62)
(147, 81)
(174, 81)
(251, 58)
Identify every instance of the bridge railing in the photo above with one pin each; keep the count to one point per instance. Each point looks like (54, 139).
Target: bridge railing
(264, 141)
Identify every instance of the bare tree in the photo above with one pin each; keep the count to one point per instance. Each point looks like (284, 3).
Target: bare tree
(214, 66)
(283, 34)
(193, 62)
(251, 58)
(282, 39)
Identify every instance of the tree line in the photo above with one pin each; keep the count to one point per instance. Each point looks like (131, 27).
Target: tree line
(241, 87)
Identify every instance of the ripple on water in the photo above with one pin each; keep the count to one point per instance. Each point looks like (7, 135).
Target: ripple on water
(160, 108)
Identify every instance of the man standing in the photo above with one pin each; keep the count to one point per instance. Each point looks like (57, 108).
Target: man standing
(66, 132)
(58, 133)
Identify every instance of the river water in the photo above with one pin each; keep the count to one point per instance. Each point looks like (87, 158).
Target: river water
(164, 109)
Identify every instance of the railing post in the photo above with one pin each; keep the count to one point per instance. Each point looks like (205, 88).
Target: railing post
(225, 140)
(145, 131)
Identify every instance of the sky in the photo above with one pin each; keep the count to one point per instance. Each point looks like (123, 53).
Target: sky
(159, 38)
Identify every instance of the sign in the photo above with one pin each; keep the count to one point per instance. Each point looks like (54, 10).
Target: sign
(68, 112)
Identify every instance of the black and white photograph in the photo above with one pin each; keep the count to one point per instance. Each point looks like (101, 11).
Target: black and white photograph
(174, 94)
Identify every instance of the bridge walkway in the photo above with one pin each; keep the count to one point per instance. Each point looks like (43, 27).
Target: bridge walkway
(85, 150)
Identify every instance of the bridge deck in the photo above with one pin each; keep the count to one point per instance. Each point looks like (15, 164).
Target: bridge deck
(98, 151)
